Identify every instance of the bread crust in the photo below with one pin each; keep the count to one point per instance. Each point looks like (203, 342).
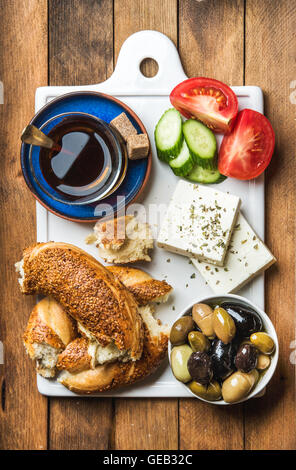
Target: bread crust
(144, 288)
(115, 375)
(87, 291)
(75, 357)
(49, 324)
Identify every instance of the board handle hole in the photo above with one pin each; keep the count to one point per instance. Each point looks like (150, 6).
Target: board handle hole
(149, 67)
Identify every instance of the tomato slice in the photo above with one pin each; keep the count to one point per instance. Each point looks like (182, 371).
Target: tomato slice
(246, 152)
(207, 100)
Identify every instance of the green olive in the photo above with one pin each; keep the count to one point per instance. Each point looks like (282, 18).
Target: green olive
(198, 341)
(180, 330)
(263, 362)
(263, 342)
(238, 385)
(179, 359)
(203, 315)
(224, 325)
(211, 392)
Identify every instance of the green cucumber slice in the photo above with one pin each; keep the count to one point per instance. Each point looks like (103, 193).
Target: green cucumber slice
(183, 163)
(168, 135)
(205, 175)
(201, 142)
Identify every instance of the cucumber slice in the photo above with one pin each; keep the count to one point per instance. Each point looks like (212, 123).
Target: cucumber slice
(168, 135)
(205, 175)
(183, 163)
(201, 142)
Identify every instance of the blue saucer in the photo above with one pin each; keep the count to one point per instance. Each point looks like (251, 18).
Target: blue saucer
(106, 108)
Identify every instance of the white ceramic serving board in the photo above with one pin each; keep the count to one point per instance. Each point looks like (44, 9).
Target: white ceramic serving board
(149, 98)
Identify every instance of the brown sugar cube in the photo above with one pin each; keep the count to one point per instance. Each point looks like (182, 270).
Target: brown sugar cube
(124, 126)
(137, 146)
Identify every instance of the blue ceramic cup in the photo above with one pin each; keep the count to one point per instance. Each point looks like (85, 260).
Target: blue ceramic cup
(113, 167)
(134, 174)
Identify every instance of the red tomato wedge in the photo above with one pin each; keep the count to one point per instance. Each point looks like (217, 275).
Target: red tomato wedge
(246, 152)
(207, 100)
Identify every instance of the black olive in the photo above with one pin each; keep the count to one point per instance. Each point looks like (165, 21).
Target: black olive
(246, 358)
(200, 367)
(223, 356)
(246, 320)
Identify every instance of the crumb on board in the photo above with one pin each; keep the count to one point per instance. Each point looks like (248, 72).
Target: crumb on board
(90, 239)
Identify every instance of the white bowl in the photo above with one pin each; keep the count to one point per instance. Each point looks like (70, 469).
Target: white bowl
(268, 327)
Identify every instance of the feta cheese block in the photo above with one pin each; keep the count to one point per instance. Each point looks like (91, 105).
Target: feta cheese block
(246, 257)
(199, 222)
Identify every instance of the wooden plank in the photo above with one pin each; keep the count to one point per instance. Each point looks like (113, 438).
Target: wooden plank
(82, 423)
(80, 52)
(210, 427)
(211, 44)
(271, 422)
(80, 41)
(211, 39)
(131, 16)
(146, 424)
(23, 67)
(143, 423)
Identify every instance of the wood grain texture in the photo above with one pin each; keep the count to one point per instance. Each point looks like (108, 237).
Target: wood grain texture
(80, 41)
(23, 67)
(271, 422)
(210, 427)
(82, 423)
(80, 52)
(143, 423)
(211, 39)
(211, 44)
(146, 424)
(131, 16)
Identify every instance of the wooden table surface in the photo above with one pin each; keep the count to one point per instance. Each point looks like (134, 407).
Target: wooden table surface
(74, 42)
